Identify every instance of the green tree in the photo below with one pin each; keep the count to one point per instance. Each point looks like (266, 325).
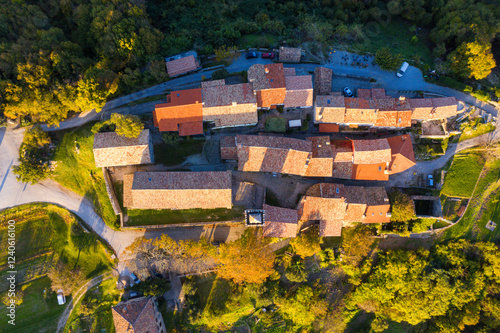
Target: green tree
(387, 60)
(402, 207)
(129, 126)
(153, 287)
(303, 306)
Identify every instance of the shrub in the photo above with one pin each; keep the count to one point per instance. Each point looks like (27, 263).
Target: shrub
(220, 74)
(129, 126)
(402, 206)
(386, 60)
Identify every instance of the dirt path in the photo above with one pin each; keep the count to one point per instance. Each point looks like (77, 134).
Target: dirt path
(77, 296)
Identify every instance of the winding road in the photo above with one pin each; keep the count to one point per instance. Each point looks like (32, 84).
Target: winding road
(13, 193)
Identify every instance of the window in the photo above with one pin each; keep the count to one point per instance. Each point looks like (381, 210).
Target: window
(379, 168)
(328, 101)
(337, 190)
(400, 120)
(178, 95)
(150, 179)
(373, 214)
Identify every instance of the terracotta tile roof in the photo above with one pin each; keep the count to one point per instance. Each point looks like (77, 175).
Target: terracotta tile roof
(404, 118)
(228, 149)
(136, 316)
(364, 93)
(321, 147)
(223, 95)
(183, 106)
(191, 128)
(269, 98)
(378, 93)
(444, 107)
(422, 108)
(342, 170)
(330, 228)
(274, 142)
(289, 71)
(182, 66)
(321, 163)
(290, 54)
(268, 76)
(128, 180)
(355, 213)
(110, 149)
(322, 81)
(403, 157)
(371, 151)
(302, 82)
(329, 109)
(299, 91)
(329, 128)
(280, 222)
(360, 110)
(387, 119)
(392, 104)
(370, 172)
(181, 190)
(378, 205)
(212, 83)
(317, 208)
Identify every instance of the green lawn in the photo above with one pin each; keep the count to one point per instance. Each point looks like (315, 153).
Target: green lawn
(45, 235)
(462, 175)
(485, 206)
(176, 153)
(275, 124)
(76, 170)
(100, 319)
(138, 217)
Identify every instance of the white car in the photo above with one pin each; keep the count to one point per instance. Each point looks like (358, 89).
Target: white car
(348, 92)
(133, 279)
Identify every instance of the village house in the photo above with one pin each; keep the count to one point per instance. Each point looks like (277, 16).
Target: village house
(290, 54)
(268, 84)
(336, 206)
(182, 63)
(111, 149)
(299, 91)
(228, 105)
(138, 315)
(181, 113)
(177, 190)
(280, 222)
(322, 81)
(320, 157)
(374, 108)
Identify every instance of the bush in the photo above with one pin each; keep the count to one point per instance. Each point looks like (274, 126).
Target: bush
(386, 60)
(220, 74)
(129, 126)
(481, 95)
(153, 287)
(275, 124)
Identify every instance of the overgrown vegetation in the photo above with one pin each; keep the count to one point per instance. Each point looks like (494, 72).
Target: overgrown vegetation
(475, 127)
(463, 174)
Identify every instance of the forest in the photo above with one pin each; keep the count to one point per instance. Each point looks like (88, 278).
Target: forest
(60, 57)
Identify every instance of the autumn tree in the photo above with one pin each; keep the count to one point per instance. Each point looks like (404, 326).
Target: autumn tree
(307, 244)
(129, 126)
(473, 59)
(248, 259)
(62, 277)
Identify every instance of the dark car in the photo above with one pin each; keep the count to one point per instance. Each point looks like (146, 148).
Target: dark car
(251, 55)
(268, 55)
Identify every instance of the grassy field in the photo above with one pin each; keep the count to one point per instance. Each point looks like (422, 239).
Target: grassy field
(76, 170)
(176, 153)
(100, 318)
(138, 217)
(484, 206)
(462, 175)
(259, 40)
(45, 235)
(475, 128)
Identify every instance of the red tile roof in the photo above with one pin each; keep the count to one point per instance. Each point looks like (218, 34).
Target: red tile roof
(268, 76)
(289, 71)
(228, 150)
(137, 315)
(183, 106)
(329, 109)
(370, 172)
(222, 95)
(280, 222)
(191, 128)
(329, 128)
(371, 151)
(182, 66)
(403, 157)
(323, 81)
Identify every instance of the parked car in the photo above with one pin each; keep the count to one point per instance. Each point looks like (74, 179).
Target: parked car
(403, 69)
(133, 294)
(430, 180)
(251, 55)
(133, 279)
(348, 92)
(268, 55)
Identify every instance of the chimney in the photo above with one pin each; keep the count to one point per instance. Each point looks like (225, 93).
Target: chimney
(266, 70)
(402, 98)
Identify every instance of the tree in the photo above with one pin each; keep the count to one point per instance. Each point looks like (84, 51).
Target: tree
(33, 166)
(473, 59)
(403, 209)
(225, 53)
(386, 60)
(129, 126)
(248, 259)
(302, 307)
(296, 271)
(153, 287)
(62, 277)
(307, 244)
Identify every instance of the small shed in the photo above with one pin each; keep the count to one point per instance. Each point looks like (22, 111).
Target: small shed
(295, 123)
